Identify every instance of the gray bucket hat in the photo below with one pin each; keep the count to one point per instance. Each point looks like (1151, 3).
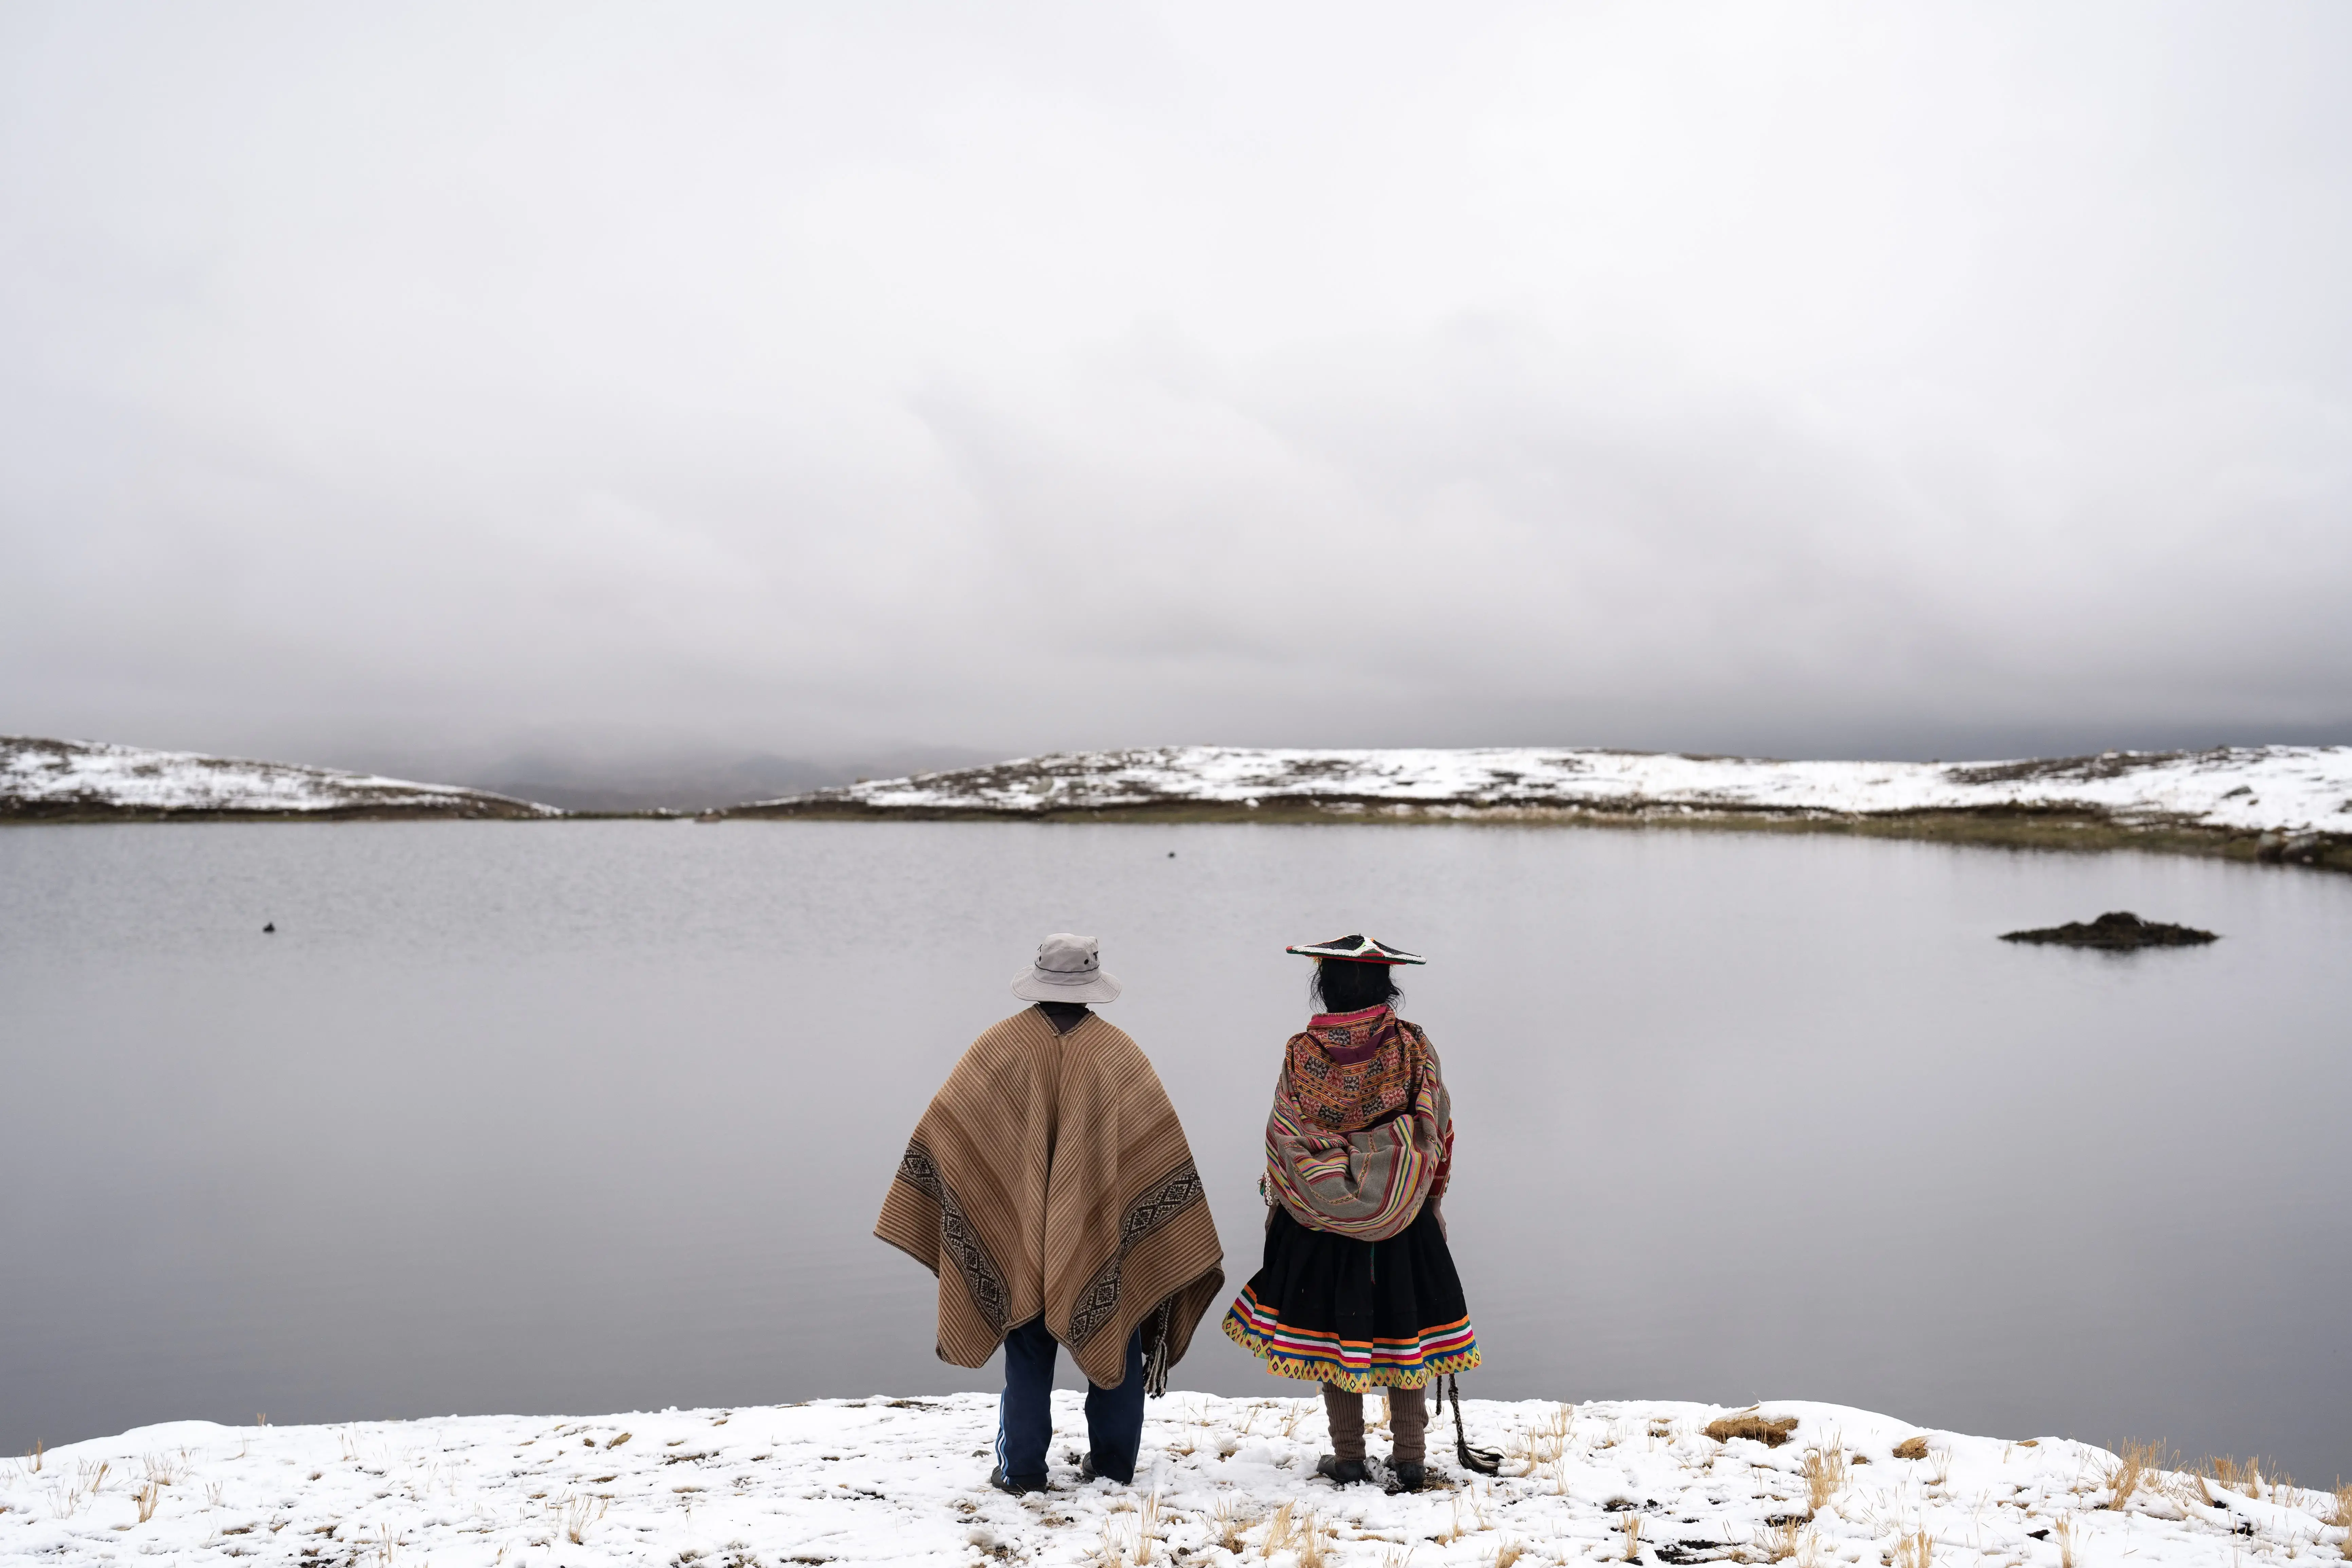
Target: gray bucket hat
(1068, 969)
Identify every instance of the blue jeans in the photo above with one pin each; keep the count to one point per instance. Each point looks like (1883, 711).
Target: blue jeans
(1024, 1418)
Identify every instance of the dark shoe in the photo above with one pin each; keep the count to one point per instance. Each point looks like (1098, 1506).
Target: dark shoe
(1087, 1472)
(1406, 1475)
(1004, 1483)
(1345, 1472)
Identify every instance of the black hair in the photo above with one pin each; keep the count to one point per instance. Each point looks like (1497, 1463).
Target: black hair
(1350, 985)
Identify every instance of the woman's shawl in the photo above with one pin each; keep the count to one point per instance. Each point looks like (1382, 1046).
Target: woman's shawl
(1362, 1130)
(1050, 1176)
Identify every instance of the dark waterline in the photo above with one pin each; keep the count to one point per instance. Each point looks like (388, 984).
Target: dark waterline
(596, 1116)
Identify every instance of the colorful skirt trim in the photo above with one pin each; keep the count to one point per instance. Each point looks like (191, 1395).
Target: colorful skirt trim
(1355, 1314)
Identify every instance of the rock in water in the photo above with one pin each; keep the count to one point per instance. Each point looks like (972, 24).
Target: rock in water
(2116, 929)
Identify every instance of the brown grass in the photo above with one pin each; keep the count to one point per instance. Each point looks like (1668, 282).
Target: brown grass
(1912, 1447)
(2137, 1464)
(1508, 1552)
(1313, 1542)
(1769, 1430)
(1279, 1532)
(2062, 1533)
(578, 1515)
(147, 1497)
(1632, 1525)
(1778, 1542)
(1547, 1439)
(1146, 1528)
(2246, 1476)
(1914, 1551)
(1824, 1470)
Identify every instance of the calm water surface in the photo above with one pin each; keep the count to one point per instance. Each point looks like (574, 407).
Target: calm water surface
(597, 1116)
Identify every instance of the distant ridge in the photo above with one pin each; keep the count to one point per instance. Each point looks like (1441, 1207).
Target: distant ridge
(2291, 804)
(89, 781)
(2279, 803)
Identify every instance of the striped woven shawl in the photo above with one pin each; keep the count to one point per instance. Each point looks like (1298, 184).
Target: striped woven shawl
(1050, 1176)
(1366, 1182)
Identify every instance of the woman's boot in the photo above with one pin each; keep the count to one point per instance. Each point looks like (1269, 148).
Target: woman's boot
(1408, 1427)
(1344, 1412)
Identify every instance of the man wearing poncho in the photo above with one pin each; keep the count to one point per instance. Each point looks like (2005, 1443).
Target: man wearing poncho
(1359, 1288)
(1050, 1188)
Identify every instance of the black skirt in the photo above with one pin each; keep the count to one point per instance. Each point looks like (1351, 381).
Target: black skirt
(1357, 1314)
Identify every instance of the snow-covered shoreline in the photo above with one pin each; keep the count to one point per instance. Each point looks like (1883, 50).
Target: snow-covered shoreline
(2286, 802)
(892, 1480)
(2287, 791)
(43, 779)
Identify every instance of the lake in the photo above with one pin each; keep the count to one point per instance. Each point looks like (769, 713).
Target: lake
(586, 1117)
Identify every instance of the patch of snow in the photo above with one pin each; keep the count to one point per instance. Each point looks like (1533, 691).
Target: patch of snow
(97, 776)
(2287, 789)
(904, 1481)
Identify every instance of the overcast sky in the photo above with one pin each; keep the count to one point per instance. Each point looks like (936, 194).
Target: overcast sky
(390, 381)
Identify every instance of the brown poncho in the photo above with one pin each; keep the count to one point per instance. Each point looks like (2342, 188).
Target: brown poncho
(1050, 1175)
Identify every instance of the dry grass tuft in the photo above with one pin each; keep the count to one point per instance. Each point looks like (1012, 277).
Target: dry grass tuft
(1632, 1525)
(1769, 1430)
(1146, 1528)
(1778, 1542)
(1547, 1439)
(147, 1497)
(1313, 1542)
(1508, 1552)
(1279, 1532)
(2061, 1535)
(1914, 1549)
(580, 1514)
(1912, 1447)
(1227, 1524)
(1824, 1471)
(2137, 1464)
(2246, 1477)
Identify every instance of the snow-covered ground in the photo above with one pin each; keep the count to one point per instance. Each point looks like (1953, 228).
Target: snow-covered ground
(41, 777)
(2285, 789)
(1222, 1482)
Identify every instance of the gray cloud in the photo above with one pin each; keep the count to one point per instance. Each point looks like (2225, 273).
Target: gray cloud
(444, 384)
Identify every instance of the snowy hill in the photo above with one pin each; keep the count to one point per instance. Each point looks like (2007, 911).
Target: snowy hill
(1220, 1483)
(2300, 796)
(51, 781)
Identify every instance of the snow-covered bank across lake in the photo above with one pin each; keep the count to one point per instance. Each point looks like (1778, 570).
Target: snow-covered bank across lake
(1222, 1481)
(2281, 802)
(59, 781)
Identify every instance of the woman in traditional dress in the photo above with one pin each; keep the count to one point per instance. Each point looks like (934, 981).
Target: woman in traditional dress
(1357, 1289)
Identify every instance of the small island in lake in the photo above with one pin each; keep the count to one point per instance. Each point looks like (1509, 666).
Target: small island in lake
(2117, 930)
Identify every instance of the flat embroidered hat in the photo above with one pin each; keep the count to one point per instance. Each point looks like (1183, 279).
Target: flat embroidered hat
(1356, 949)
